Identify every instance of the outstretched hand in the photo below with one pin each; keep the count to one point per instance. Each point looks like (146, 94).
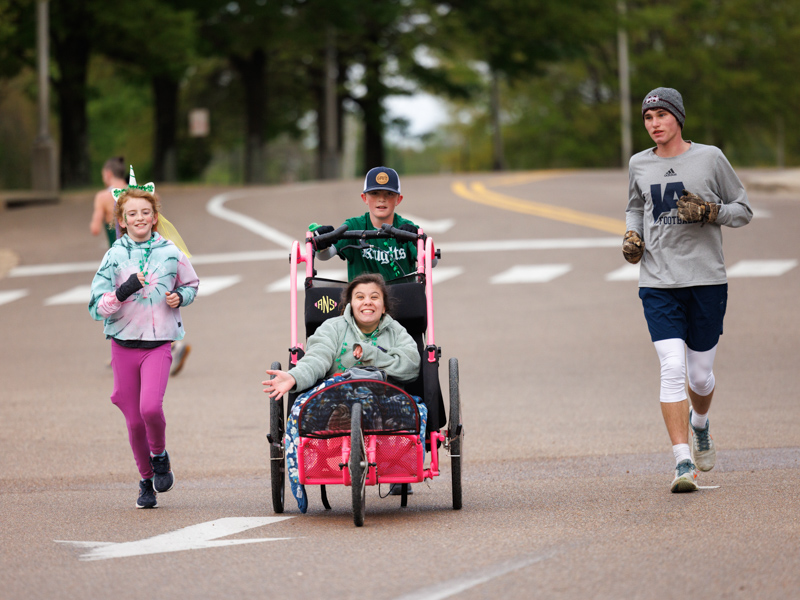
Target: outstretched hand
(281, 384)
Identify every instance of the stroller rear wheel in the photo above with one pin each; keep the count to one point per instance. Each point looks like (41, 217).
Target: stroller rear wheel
(358, 466)
(455, 434)
(277, 461)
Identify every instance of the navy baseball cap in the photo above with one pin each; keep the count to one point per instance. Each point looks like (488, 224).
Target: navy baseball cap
(382, 178)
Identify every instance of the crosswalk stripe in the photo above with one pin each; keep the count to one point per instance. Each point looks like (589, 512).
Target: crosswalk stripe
(530, 274)
(11, 295)
(624, 273)
(283, 285)
(212, 285)
(761, 268)
(78, 295)
(430, 226)
(440, 274)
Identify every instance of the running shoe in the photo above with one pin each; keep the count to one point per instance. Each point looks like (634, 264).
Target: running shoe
(685, 478)
(704, 454)
(163, 480)
(147, 495)
(180, 350)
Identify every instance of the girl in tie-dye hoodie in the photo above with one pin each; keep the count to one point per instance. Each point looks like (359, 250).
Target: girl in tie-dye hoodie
(138, 291)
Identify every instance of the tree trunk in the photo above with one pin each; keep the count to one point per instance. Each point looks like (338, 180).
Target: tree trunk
(253, 72)
(165, 94)
(72, 47)
(372, 105)
(498, 156)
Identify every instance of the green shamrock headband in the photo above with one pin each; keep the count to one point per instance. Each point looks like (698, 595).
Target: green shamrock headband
(147, 187)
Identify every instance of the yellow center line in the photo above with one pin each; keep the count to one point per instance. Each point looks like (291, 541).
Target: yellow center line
(477, 192)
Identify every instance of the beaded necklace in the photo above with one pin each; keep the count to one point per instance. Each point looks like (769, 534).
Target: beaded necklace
(144, 261)
(367, 337)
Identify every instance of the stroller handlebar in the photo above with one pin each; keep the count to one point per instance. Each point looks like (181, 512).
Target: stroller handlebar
(343, 233)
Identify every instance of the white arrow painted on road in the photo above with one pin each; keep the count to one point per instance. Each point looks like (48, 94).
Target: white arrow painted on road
(195, 537)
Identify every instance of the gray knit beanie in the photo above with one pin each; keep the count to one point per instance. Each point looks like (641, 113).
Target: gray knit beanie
(668, 99)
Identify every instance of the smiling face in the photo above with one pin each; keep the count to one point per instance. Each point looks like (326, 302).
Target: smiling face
(662, 126)
(368, 306)
(381, 205)
(139, 218)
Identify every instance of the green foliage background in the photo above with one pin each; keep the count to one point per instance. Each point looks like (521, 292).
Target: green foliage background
(735, 62)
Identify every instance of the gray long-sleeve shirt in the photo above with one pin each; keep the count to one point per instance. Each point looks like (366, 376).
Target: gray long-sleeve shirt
(677, 253)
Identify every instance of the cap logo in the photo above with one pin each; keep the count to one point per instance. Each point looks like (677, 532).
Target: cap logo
(382, 178)
(652, 100)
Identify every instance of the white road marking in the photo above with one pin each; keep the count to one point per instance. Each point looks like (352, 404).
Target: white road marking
(78, 295)
(761, 213)
(263, 255)
(761, 268)
(195, 537)
(430, 226)
(624, 273)
(530, 274)
(55, 269)
(446, 589)
(440, 274)
(545, 244)
(227, 257)
(216, 207)
(212, 285)
(707, 487)
(283, 285)
(11, 295)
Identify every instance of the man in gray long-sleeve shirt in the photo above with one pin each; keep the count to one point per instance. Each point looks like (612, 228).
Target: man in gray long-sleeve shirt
(680, 194)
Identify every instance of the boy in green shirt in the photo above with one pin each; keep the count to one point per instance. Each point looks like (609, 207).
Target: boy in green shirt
(389, 257)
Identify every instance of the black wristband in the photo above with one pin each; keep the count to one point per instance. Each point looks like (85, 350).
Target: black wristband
(179, 296)
(129, 287)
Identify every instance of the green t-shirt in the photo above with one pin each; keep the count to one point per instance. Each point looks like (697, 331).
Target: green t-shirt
(390, 258)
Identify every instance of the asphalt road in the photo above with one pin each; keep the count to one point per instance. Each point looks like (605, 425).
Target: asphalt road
(567, 462)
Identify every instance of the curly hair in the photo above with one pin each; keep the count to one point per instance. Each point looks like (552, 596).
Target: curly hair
(377, 279)
(119, 207)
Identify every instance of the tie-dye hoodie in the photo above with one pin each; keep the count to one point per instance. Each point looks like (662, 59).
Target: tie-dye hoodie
(144, 315)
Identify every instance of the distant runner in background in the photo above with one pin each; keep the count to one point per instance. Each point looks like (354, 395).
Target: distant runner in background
(114, 175)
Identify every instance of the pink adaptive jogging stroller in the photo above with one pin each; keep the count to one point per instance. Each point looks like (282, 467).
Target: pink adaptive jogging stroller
(375, 436)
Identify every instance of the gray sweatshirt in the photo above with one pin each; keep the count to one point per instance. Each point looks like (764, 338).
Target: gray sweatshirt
(393, 350)
(677, 253)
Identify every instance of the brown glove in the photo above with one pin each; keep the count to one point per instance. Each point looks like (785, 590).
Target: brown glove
(693, 209)
(632, 247)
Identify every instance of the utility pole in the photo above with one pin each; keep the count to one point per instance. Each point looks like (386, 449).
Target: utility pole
(45, 164)
(624, 83)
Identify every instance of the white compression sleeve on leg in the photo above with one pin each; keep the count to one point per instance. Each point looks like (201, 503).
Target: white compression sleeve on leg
(701, 374)
(672, 355)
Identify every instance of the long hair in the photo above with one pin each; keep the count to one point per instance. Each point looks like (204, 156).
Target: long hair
(119, 208)
(377, 279)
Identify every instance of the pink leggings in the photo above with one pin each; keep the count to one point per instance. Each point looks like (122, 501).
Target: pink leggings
(140, 380)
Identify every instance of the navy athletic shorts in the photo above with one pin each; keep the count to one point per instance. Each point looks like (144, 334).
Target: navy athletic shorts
(692, 314)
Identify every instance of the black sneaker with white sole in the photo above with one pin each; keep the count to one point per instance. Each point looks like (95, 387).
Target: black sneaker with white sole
(163, 479)
(147, 495)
